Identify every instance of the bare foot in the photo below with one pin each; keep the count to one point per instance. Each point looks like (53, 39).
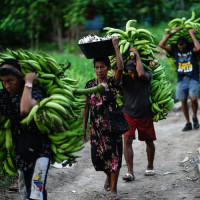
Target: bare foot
(14, 187)
(107, 185)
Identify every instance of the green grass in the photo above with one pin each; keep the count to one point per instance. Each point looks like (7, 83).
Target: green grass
(71, 47)
(6, 181)
(171, 76)
(81, 68)
(157, 31)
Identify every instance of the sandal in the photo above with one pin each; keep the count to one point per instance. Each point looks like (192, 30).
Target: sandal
(114, 197)
(128, 177)
(149, 172)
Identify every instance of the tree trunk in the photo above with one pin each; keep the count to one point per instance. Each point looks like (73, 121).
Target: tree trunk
(37, 40)
(59, 35)
(77, 32)
(182, 5)
(31, 30)
(54, 34)
(31, 38)
(71, 30)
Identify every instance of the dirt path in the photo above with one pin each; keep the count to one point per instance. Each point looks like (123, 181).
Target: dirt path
(174, 180)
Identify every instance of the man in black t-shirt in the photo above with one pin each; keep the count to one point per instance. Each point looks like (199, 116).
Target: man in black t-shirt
(187, 74)
(137, 110)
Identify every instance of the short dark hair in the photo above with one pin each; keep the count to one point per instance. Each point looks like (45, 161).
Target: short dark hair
(105, 60)
(182, 40)
(14, 63)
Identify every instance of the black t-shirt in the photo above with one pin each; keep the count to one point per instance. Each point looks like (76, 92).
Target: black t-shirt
(186, 64)
(136, 96)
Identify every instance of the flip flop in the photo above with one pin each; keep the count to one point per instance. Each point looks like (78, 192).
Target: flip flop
(149, 172)
(114, 197)
(128, 177)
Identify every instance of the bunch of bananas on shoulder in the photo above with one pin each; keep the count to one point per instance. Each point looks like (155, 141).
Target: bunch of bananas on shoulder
(59, 114)
(160, 94)
(184, 25)
(143, 40)
(7, 148)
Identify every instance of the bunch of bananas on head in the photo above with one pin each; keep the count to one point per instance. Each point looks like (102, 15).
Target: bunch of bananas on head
(143, 41)
(184, 25)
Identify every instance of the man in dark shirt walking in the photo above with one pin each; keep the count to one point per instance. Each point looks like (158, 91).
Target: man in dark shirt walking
(187, 74)
(137, 110)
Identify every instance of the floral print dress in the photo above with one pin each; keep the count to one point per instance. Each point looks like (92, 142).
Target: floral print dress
(106, 147)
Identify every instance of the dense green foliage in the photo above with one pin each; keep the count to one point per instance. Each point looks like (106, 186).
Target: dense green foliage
(43, 24)
(81, 68)
(27, 23)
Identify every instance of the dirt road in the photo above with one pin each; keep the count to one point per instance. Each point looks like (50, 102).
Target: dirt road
(174, 179)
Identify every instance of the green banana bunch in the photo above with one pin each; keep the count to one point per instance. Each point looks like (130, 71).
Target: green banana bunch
(143, 41)
(7, 148)
(160, 99)
(185, 25)
(58, 115)
(9, 163)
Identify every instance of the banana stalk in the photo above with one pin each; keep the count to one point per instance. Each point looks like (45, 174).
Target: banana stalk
(95, 89)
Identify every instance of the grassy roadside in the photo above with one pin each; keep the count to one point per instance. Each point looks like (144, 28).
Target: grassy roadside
(81, 68)
(6, 181)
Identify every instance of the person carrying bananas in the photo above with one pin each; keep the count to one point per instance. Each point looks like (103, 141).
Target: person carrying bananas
(187, 74)
(32, 148)
(106, 146)
(137, 110)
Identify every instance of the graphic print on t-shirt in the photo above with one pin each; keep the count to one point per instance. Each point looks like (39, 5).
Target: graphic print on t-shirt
(184, 62)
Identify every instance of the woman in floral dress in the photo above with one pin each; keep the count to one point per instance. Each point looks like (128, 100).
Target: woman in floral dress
(106, 147)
